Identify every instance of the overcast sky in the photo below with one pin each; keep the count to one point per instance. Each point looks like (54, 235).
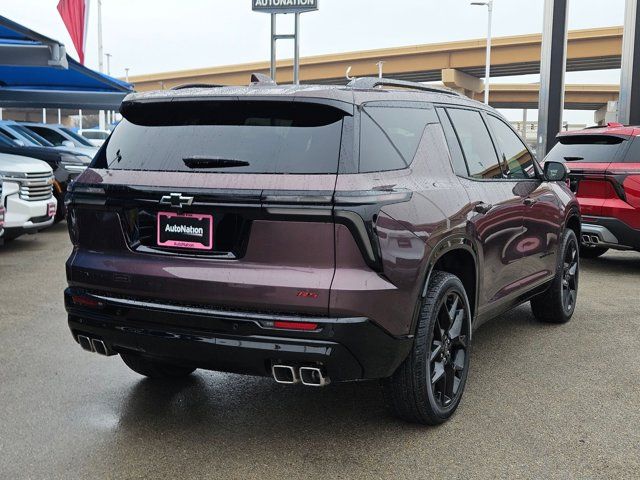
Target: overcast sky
(161, 35)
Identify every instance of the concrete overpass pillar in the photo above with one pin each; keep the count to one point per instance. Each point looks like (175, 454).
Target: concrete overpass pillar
(629, 107)
(552, 68)
(462, 82)
(607, 113)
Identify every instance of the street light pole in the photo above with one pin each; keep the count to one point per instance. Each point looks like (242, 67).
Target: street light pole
(126, 74)
(487, 70)
(100, 56)
(108, 55)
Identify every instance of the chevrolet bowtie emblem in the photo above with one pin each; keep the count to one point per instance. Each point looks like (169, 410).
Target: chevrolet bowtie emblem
(176, 200)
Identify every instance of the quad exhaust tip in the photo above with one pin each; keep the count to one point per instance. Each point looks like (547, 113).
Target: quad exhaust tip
(94, 345)
(99, 347)
(590, 239)
(85, 343)
(285, 374)
(313, 377)
(309, 376)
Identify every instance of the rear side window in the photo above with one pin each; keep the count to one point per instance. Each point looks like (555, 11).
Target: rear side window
(389, 136)
(586, 148)
(515, 155)
(476, 143)
(633, 154)
(229, 137)
(457, 158)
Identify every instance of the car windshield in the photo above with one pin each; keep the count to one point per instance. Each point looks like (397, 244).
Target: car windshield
(6, 141)
(95, 134)
(239, 137)
(586, 148)
(77, 138)
(34, 137)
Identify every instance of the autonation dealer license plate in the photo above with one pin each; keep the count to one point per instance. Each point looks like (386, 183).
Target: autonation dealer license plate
(185, 230)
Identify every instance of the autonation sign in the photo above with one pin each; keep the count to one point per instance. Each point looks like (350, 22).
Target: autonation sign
(284, 6)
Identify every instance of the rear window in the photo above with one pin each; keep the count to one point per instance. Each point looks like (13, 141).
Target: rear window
(586, 149)
(389, 136)
(229, 137)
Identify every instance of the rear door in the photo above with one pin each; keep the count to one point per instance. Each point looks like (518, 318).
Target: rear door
(219, 203)
(498, 215)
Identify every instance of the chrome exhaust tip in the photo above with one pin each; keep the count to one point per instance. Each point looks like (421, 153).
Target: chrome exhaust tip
(285, 374)
(85, 343)
(595, 239)
(313, 377)
(586, 239)
(100, 348)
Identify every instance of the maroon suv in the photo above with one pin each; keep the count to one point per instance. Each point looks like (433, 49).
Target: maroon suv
(316, 234)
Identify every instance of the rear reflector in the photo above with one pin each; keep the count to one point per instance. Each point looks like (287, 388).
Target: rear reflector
(86, 301)
(295, 325)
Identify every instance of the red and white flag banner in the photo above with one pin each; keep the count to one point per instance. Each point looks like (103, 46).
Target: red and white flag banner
(75, 15)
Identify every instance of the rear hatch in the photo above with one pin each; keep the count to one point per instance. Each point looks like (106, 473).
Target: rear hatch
(225, 203)
(588, 157)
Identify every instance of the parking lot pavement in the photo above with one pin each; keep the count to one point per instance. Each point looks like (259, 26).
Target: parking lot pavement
(542, 401)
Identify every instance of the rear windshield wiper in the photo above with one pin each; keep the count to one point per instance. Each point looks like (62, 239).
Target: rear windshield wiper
(197, 161)
(573, 159)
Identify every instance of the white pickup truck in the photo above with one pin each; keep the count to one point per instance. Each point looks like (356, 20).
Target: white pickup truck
(27, 195)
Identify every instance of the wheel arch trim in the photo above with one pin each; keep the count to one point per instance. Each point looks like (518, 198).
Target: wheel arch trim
(448, 244)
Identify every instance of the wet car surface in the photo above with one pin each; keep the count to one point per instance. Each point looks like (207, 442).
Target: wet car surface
(544, 400)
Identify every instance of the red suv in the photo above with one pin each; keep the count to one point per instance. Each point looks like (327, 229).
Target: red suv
(604, 164)
(316, 233)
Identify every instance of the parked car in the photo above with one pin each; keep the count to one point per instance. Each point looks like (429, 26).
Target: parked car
(61, 136)
(95, 136)
(27, 195)
(1, 215)
(605, 175)
(316, 234)
(66, 165)
(21, 135)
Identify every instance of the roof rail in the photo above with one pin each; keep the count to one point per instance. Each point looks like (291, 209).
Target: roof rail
(196, 85)
(367, 83)
(262, 79)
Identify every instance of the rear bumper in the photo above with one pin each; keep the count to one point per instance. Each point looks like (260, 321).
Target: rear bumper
(232, 341)
(609, 232)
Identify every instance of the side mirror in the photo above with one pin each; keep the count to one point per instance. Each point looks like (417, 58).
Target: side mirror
(68, 143)
(555, 172)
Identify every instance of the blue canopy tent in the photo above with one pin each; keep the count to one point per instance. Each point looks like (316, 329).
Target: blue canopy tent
(36, 72)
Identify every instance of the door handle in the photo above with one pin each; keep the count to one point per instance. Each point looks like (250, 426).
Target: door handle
(482, 207)
(529, 201)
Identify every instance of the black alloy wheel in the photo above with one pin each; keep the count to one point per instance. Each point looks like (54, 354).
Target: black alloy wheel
(447, 366)
(558, 302)
(570, 276)
(428, 386)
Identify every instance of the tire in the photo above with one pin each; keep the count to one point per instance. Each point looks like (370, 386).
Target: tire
(413, 393)
(592, 252)
(557, 304)
(154, 368)
(60, 209)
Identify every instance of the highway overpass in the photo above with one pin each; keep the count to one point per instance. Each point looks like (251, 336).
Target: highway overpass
(591, 49)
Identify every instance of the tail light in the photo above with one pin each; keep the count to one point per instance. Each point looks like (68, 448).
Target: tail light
(84, 301)
(292, 325)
